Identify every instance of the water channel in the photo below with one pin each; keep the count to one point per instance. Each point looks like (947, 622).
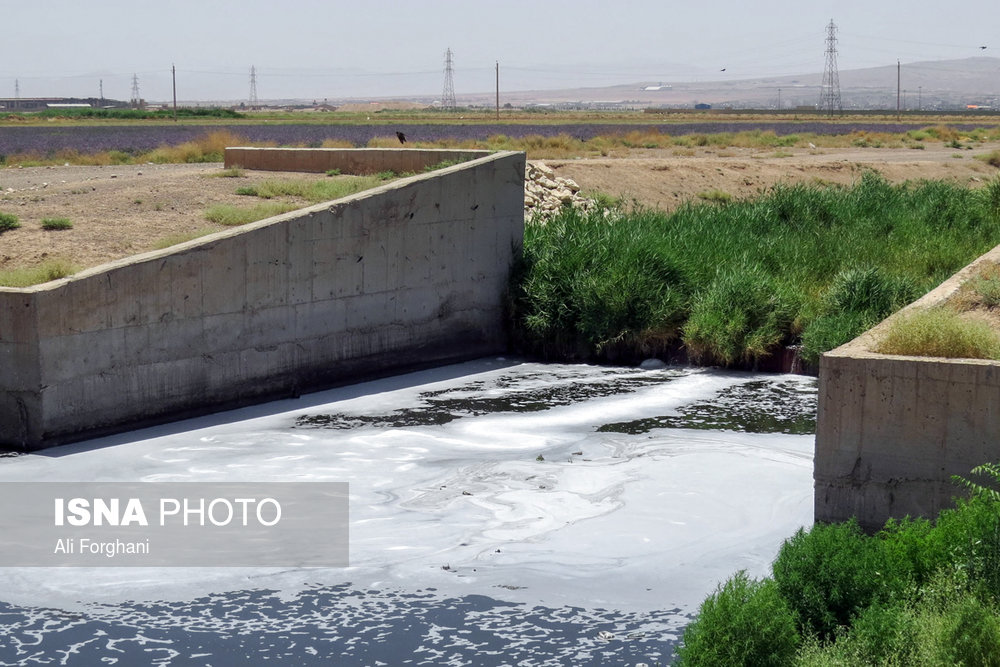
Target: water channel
(501, 513)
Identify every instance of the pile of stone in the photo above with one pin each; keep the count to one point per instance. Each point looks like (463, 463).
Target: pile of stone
(545, 193)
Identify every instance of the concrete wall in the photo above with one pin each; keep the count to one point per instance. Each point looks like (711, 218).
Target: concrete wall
(347, 160)
(410, 273)
(891, 430)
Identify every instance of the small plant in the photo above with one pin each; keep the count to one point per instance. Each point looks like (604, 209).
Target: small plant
(232, 172)
(333, 172)
(387, 175)
(940, 332)
(8, 221)
(174, 239)
(717, 196)
(248, 191)
(992, 158)
(55, 224)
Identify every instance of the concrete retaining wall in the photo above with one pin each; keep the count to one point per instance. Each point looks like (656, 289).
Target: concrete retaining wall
(347, 160)
(407, 274)
(891, 430)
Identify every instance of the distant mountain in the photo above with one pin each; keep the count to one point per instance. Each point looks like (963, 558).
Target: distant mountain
(940, 84)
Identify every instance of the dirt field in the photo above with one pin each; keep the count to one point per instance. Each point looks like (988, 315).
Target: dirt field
(125, 210)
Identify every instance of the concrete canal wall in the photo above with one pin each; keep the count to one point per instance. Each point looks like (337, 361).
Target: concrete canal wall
(892, 430)
(407, 274)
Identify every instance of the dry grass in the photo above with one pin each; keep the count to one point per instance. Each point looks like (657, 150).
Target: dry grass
(940, 332)
(53, 269)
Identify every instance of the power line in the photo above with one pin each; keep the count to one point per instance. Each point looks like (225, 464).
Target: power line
(448, 94)
(830, 91)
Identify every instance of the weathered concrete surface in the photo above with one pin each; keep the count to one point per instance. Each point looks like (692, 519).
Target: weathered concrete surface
(347, 160)
(892, 430)
(407, 274)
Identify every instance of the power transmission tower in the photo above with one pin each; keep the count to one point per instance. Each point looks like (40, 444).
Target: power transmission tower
(448, 95)
(136, 101)
(829, 97)
(254, 104)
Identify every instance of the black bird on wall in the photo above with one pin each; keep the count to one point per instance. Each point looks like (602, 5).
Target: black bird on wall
(401, 137)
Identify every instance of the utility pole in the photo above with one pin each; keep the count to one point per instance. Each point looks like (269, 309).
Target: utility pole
(448, 94)
(17, 94)
(254, 104)
(829, 97)
(779, 99)
(102, 90)
(135, 104)
(498, 91)
(897, 89)
(920, 98)
(173, 76)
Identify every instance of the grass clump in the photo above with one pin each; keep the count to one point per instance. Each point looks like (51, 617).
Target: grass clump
(175, 239)
(311, 190)
(992, 158)
(53, 269)
(939, 332)
(230, 216)
(231, 172)
(8, 221)
(55, 224)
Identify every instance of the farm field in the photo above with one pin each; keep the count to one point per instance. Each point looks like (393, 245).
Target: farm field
(120, 210)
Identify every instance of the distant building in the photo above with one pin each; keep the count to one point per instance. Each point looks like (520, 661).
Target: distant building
(42, 103)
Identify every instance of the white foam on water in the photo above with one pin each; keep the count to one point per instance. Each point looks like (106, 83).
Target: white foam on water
(536, 507)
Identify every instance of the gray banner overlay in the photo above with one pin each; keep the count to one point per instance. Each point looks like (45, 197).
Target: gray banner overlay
(186, 524)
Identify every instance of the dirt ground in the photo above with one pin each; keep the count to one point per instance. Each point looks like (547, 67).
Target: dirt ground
(124, 210)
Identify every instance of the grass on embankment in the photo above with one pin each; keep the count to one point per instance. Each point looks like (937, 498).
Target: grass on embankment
(735, 281)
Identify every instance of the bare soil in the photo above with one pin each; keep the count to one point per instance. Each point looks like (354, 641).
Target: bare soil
(124, 210)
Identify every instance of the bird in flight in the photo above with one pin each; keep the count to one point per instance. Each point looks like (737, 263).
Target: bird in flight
(723, 69)
(982, 47)
(401, 137)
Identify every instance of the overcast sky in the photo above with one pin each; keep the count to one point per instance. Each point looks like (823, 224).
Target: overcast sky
(334, 49)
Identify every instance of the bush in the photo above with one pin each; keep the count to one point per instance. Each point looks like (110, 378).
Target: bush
(8, 221)
(831, 573)
(55, 224)
(741, 317)
(745, 622)
(939, 332)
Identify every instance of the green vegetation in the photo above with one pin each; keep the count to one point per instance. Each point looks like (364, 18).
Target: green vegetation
(915, 593)
(311, 190)
(230, 216)
(33, 275)
(8, 221)
(174, 239)
(939, 332)
(799, 264)
(992, 158)
(55, 224)
(231, 172)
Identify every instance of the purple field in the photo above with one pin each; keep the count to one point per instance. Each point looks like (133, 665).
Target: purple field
(140, 138)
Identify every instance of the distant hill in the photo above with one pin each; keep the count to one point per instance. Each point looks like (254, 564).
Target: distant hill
(941, 84)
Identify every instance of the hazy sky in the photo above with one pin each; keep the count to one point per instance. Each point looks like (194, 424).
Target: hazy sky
(333, 49)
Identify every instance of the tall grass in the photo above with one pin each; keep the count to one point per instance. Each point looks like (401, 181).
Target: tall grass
(230, 216)
(940, 332)
(734, 282)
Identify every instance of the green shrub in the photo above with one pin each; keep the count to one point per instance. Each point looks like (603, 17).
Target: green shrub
(56, 223)
(965, 632)
(939, 332)
(745, 622)
(8, 221)
(831, 573)
(992, 158)
(741, 317)
(247, 191)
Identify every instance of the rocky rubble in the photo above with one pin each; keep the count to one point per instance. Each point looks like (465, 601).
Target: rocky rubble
(545, 193)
